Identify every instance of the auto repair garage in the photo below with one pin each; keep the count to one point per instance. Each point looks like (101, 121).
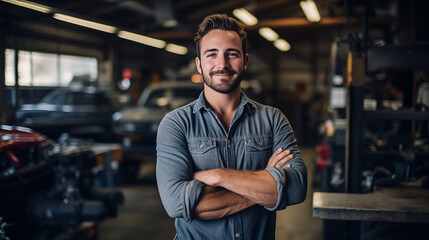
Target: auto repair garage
(84, 86)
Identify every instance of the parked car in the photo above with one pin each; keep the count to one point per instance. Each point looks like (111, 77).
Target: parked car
(137, 126)
(84, 112)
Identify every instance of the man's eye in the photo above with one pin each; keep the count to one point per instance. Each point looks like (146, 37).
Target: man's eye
(232, 55)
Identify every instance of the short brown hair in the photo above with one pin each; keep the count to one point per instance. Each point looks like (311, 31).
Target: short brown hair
(223, 22)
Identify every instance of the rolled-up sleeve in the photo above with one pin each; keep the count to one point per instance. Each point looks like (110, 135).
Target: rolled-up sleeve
(291, 182)
(174, 170)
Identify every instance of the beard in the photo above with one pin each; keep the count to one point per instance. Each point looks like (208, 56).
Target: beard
(224, 86)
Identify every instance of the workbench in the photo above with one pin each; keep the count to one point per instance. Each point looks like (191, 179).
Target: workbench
(108, 156)
(404, 204)
(111, 152)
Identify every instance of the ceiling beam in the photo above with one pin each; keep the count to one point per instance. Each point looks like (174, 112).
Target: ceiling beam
(217, 7)
(173, 35)
(325, 22)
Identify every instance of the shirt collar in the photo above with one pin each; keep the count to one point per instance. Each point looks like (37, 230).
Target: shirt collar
(201, 102)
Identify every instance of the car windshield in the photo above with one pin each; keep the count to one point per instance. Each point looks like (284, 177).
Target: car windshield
(55, 98)
(171, 97)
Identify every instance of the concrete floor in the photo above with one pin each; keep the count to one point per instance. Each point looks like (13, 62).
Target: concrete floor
(143, 217)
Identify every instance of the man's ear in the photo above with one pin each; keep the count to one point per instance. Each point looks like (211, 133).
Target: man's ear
(198, 63)
(246, 61)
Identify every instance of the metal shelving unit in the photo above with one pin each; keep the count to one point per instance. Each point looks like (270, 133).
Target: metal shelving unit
(356, 117)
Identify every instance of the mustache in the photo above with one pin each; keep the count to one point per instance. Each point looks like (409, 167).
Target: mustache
(223, 71)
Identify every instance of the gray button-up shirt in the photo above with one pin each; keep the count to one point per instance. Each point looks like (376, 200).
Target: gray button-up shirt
(192, 138)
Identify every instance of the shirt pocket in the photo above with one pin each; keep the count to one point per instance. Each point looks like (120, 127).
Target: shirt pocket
(204, 153)
(258, 150)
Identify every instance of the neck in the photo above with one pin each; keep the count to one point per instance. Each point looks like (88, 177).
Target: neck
(223, 104)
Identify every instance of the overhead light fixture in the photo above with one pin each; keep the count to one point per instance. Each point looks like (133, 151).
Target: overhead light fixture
(272, 36)
(142, 39)
(268, 34)
(245, 16)
(282, 45)
(30, 5)
(85, 23)
(170, 23)
(177, 49)
(310, 10)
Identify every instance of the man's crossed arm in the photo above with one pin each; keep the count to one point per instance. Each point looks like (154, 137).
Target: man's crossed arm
(228, 191)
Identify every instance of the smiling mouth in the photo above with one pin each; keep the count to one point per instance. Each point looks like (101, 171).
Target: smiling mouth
(223, 72)
(222, 75)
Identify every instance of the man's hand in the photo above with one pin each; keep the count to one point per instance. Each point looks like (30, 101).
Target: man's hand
(279, 158)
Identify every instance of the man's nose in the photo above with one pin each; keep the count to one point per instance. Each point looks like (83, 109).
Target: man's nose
(222, 62)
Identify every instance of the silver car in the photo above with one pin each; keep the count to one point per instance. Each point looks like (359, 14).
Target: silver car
(137, 126)
(85, 112)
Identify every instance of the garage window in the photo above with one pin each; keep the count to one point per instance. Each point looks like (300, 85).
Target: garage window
(38, 73)
(47, 69)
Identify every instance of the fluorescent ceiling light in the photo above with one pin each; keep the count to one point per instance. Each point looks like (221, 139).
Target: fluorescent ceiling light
(310, 10)
(141, 39)
(85, 23)
(268, 34)
(170, 23)
(282, 45)
(173, 48)
(30, 5)
(245, 16)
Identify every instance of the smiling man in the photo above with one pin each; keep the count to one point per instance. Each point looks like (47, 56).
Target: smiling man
(225, 163)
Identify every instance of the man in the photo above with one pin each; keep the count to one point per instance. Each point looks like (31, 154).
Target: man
(225, 163)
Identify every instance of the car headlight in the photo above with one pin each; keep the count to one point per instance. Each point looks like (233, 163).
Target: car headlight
(117, 115)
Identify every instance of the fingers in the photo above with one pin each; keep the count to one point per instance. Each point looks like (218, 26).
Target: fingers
(279, 159)
(282, 162)
(274, 158)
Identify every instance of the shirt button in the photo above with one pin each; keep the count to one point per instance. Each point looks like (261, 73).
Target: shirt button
(201, 146)
(261, 143)
(237, 235)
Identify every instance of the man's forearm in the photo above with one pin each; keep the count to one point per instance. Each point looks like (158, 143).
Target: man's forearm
(217, 202)
(257, 186)
(229, 191)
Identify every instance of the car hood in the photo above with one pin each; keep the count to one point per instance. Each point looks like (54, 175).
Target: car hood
(140, 114)
(39, 106)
